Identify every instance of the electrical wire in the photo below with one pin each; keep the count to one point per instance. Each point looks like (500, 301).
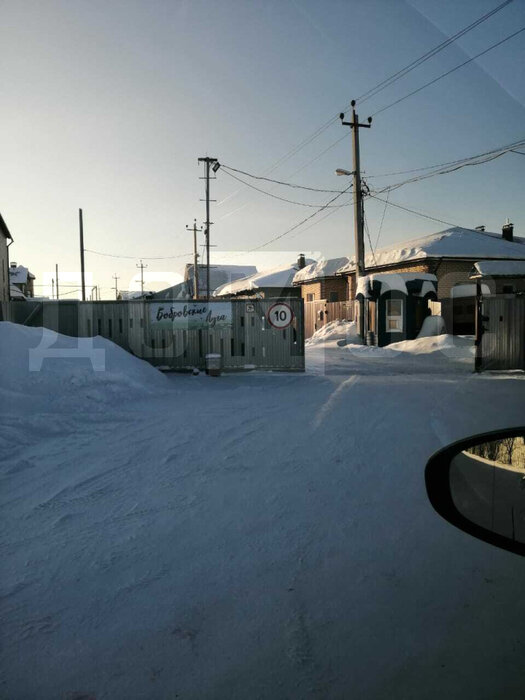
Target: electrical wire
(367, 231)
(277, 182)
(452, 70)
(140, 257)
(417, 213)
(296, 226)
(430, 54)
(282, 199)
(382, 220)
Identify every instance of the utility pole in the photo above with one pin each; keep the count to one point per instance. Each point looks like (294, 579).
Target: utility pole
(56, 277)
(195, 258)
(115, 287)
(214, 164)
(142, 266)
(52, 288)
(82, 272)
(358, 209)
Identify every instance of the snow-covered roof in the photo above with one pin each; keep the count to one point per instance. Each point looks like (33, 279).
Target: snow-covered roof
(15, 293)
(321, 268)
(415, 283)
(499, 268)
(454, 242)
(128, 296)
(278, 277)
(20, 274)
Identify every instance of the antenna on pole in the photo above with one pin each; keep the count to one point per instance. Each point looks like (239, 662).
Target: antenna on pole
(141, 266)
(115, 287)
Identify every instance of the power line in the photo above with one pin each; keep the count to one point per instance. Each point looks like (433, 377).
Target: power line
(136, 257)
(380, 86)
(277, 182)
(382, 220)
(479, 159)
(282, 199)
(430, 54)
(444, 75)
(417, 213)
(296, 226)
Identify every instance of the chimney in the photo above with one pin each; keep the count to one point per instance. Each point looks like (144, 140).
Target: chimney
(301, 262)
(480, 228)
(507, 231)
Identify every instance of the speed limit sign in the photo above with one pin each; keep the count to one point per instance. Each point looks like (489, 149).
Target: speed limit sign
(280, 315)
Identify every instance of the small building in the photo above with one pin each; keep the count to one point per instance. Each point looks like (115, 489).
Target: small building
(219, 276)
(500, 276)
(5, 241)
(21, 278)
(395, 304)
(322, 281)
(277, 282)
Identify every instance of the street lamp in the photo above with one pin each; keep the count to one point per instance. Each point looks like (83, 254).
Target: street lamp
(342, 171)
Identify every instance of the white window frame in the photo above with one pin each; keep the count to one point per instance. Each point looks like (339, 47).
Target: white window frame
(396, 317)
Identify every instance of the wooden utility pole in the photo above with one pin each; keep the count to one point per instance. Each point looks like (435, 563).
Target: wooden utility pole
(82, 272)
(209, 163)
(115, 287)
(142, 266)
(56, 277)
(195, 258)
(358, 209)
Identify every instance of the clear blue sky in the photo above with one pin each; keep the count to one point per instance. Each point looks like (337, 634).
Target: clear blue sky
(108, 105)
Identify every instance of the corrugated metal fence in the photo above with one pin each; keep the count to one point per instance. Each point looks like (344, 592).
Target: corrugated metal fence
(246, 340)
(318, 313)
(503, 341)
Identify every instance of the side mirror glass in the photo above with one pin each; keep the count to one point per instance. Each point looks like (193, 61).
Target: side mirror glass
(478, 485)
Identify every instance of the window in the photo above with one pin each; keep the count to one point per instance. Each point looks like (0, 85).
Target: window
(394, 315)
(333, 296)
(310, 297)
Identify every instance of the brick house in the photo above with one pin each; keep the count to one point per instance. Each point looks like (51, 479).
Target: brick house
(22, 279)
(449, 254)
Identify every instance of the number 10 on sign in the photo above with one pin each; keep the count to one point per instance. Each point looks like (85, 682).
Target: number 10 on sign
(280, 315)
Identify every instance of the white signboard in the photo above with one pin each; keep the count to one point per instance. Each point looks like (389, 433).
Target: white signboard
(280, 315)
(190, 315)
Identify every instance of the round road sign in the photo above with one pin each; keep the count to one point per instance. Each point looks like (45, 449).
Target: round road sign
(280, 315)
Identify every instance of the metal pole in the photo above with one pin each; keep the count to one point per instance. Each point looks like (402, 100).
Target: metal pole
(207, 230)
(56, 277)
(82, 272)
(116, 289)
(478, 329)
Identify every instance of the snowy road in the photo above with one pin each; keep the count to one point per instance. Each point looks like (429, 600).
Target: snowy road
(254, 536)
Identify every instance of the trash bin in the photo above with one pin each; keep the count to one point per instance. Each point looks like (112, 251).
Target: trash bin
(370, 338)
(213, 364)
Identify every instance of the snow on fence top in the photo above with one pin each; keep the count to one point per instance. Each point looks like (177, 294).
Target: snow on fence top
(499, 268)
(280, 277)
(454, 242)
(397, 282)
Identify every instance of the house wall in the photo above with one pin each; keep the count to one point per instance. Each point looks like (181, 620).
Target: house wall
(322, 289)
(4, 269)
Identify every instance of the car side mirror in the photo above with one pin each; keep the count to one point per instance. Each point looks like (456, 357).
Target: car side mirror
(478, 485)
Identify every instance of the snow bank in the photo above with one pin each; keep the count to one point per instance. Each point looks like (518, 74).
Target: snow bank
(432, 325)
(335, 330)
(40, 364)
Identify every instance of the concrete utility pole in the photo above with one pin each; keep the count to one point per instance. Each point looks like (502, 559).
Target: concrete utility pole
(142, 266)
(82, 272)
(358, 208)
(214, 164)
(195, 258)
(115, 287)
(56, 277)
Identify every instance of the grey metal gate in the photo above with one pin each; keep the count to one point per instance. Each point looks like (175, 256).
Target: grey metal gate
(503, 339)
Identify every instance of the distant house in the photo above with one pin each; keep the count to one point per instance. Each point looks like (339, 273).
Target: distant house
(277, 282)
(449, 254)
(21, 278)
(501, 276)
(219, 276)
(5, 241)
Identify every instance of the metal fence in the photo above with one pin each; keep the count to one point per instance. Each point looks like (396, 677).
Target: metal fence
(318, 313)
(245, 340)
(503, 339)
